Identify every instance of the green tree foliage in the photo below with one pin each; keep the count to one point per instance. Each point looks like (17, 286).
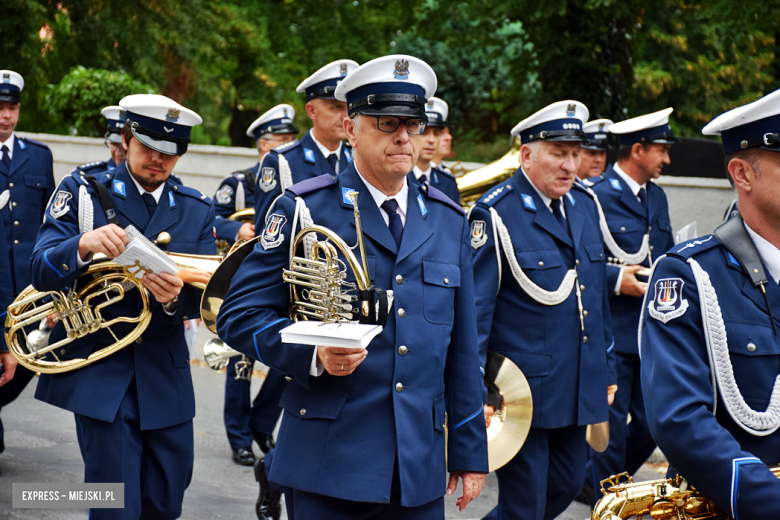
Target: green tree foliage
(76, 101)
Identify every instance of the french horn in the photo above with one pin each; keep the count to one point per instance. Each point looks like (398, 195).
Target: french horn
(80, 311)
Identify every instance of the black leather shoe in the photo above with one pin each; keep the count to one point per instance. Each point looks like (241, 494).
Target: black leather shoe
(266, 442)
(243, 457)
(268, 505)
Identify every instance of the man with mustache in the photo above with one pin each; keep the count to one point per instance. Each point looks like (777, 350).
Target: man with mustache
(540, 277)
(247, 420)
(362, 433)
(134, 408)
(425, 170)
(637, 216)
(26, 184)
(320, 151)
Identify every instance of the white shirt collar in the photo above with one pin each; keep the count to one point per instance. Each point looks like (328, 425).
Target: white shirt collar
(323, 149)
(547, 200)
(635, 187)
(10, 144)
(156, 193)
(419, 173)
(401, 198)
(769, 253)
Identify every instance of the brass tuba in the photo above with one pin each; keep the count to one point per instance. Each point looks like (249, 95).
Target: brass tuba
(474, 184)
(662, 499)
(80, 311)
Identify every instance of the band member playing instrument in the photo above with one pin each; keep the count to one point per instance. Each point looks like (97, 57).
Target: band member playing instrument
(539, 270)
(133, 409)
(709, 332)
(321, 151)
(247, 420)
(362, 432)
(637, 230)
(425, 170)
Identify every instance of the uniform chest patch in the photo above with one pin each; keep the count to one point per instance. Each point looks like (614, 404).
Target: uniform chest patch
(478, 235)
(272, 234)
(60, 205)
(224, 194)
(668, 302)
(267, 179)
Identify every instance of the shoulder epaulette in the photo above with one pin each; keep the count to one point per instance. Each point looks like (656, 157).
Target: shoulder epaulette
(190, 192)
(310, 185)
(33, 141)
(439, 195)
(286, 147)
(445, 171)
(687, 249)
(496, 194)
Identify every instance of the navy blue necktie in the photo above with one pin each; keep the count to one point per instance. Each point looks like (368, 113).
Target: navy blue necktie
(643, 198)
(6, 159)
(333, 159)
(557, 209)
(396, 226)
(151, 204)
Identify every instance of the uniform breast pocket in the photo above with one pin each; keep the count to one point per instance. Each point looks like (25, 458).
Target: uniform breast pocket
(440, 281)
(755, 359)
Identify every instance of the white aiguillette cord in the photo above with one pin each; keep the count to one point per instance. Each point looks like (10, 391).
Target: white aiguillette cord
(534, 291)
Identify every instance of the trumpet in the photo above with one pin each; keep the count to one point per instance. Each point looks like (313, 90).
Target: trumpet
(80, 311)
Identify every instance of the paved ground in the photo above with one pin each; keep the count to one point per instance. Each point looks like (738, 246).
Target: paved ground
(41, 447)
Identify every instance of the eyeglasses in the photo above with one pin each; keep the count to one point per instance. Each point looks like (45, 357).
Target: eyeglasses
(389, 124)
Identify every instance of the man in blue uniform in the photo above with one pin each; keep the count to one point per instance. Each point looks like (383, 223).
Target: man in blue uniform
(321, 151)
(245, 419)
(133, 409)
(362, 432)
(636, 230)
(540, 277)
(593, 159)
(425, 171)
(26, 184)
(709, 336)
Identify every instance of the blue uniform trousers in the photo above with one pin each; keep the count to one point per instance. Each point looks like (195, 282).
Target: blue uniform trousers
(302, 505)
(630, 445)
(524, 492)
(155, 465)
(245, 418)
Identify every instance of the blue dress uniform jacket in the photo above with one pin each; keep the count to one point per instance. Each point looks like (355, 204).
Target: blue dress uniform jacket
(305, 160)
(689, 422)
(159, 361)
(30, 183)
(442, 181)
(628, 223)
(568, 369)
(225, 203)
(341, 436)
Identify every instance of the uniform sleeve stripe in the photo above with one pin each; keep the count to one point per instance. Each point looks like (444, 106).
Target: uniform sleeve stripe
(467, 419)
(254, 336)
(46, 258)
(735, 464)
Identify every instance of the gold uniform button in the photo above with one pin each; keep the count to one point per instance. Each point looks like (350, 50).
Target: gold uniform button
(751, 347)
(403, 350)
(401, 313)
(288, 378)
(399, 279)
(585, 339)
(303, 411)
(541, 264)
(399, 387)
